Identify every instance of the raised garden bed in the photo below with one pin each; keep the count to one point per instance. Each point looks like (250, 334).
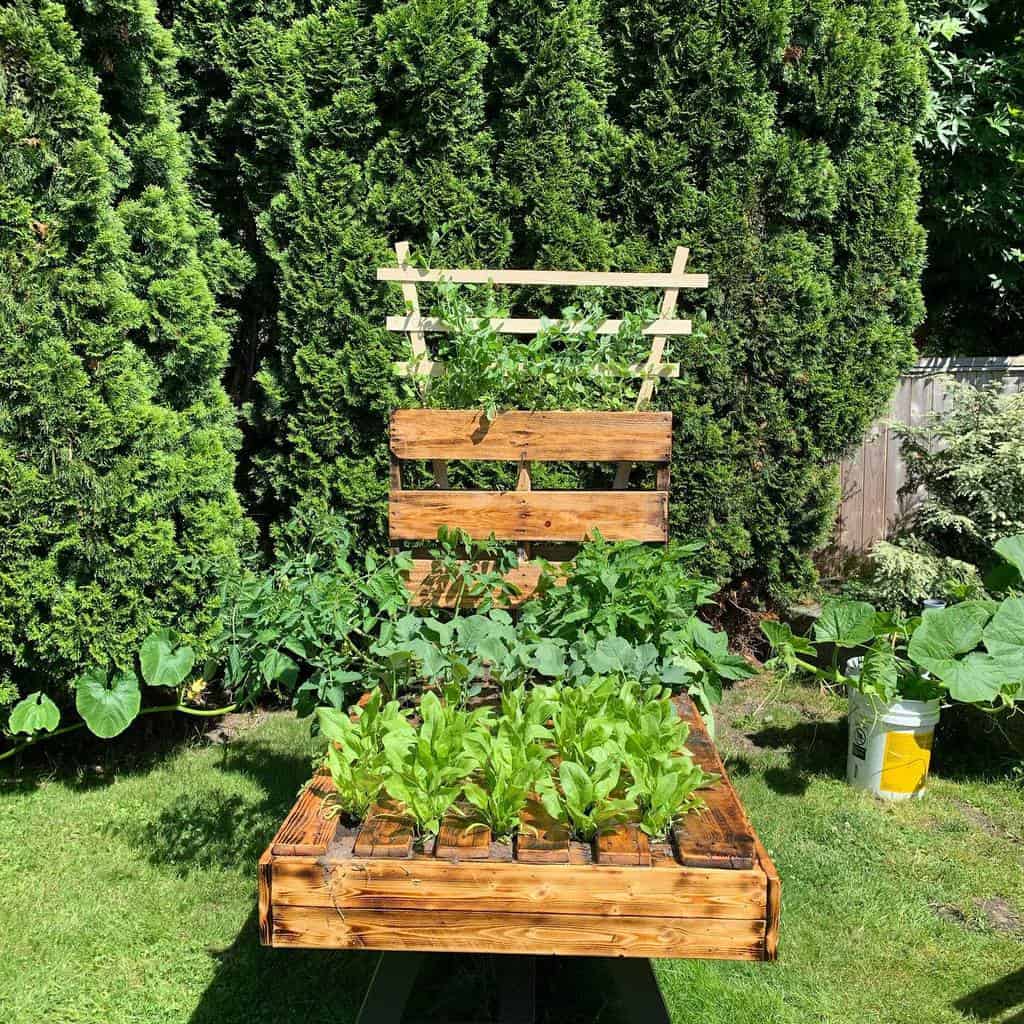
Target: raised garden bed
(712, 892)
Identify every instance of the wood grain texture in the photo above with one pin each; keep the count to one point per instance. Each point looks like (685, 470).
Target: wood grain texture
(720, 836)
(642, 371)
(773, 916)
(625, 844)
(457, 840)
(423, 883)
(305, 830)
(429, 585)
(265, 898)
(668, 307)
(495, 932)
(413, 322)
(385, 833)
(541, 839)
(554, 278)
(532, 436)
(530, 515)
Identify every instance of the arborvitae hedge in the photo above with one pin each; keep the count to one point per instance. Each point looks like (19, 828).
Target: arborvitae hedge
(117, 509)
(773, 138)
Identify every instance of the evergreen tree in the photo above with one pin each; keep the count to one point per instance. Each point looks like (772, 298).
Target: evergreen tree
(118, 510)
(775, 140)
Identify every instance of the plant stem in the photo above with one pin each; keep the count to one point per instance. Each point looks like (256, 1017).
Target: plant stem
(182, 708)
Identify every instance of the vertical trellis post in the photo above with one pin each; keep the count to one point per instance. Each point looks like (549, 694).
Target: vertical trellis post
(668, 309)
(418, 344)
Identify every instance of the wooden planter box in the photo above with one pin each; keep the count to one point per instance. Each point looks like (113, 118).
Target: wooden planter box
(712, 892)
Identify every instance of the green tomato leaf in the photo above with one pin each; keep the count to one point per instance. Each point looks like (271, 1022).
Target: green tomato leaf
(107, 704)
(34, 714)
(845, 623)
(278, 667)
(165, 662)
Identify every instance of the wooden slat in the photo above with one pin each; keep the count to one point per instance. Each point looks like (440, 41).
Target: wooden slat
(530, 515)
(384, 833)
(642, 371)
(526, 325)
(430, 586)
(625, 845)
(664, 890)
(720, 836)
(532, 436)
(264, 899)
(496, 932)
(668, 307)
(417, 342)
(773, 918)
(305, 830)
(550, 278)
(541, 839)
(457, 841)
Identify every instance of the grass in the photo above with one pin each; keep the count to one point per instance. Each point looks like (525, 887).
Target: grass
(129, 897)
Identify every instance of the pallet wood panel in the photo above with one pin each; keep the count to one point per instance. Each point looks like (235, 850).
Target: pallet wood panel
(494, 932)
(720, 835)
(623, 845)
(306, 830)
(543, 278)
(340, 880)
(413, 322)
(534, 436)
(457, 840)
(530, 515)
(541, 839)
(430, 586)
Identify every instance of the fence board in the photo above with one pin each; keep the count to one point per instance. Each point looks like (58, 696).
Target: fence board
(871, 507)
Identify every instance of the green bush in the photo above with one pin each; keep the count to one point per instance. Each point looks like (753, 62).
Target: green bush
(117, 510)
(775, 141)
(968, 463)
(972, 156)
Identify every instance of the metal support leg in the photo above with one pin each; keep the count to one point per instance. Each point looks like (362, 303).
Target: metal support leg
(638, 990)
(517, 980)
(389, 988)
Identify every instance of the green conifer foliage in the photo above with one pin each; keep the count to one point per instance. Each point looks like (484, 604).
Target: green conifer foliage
(772, 138)
(117, 510)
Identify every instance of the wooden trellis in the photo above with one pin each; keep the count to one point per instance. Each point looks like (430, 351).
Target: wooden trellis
(416, 326)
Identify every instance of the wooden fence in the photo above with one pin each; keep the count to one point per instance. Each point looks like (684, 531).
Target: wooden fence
(871, 479)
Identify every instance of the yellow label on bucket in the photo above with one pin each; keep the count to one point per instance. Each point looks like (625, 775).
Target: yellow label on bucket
(905, 767)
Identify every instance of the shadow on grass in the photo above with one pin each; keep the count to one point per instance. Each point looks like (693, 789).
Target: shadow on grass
(810, 748)
(992, 1001)
(87, 762)
(213, 827)
(256, 985)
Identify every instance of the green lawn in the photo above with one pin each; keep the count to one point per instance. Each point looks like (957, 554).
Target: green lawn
(129, 897)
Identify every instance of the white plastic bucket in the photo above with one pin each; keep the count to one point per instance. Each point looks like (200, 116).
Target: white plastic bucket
(890, 745)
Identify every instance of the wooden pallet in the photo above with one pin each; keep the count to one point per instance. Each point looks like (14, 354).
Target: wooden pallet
(712, 892)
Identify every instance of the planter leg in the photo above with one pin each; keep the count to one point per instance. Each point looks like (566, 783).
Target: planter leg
(517, 980)
(638, 989)
(389, 988)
